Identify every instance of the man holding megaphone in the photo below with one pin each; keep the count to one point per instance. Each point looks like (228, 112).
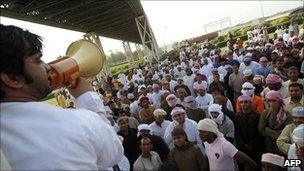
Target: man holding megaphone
(39, 136)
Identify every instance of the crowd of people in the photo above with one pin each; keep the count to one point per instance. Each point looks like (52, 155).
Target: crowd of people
(241, 109)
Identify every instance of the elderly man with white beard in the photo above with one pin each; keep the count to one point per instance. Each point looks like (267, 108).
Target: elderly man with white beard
(160, 125)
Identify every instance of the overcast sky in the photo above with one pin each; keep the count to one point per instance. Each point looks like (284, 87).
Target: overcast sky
(178, 20)
(170, 20)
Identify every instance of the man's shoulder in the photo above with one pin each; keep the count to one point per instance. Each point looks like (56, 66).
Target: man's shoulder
(133, 130)
(228, 121)
(153, 124)
(166, 122)
(286, 100)
(290, 127)
(154, 153)
(44, 109)
(257, 98)
(138, 164)
(209, 95)
(170, 126)
(156, 138)
(191, 122)
(134, 104)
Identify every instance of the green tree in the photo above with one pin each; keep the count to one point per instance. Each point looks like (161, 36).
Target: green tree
(116, 57)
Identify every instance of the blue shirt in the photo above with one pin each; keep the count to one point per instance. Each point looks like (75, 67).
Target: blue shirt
(262, 71)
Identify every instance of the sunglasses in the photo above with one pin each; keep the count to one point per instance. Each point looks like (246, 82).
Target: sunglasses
(244, 102)
(190, 101)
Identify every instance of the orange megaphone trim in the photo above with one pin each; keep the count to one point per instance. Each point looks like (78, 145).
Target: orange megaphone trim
(64, 72)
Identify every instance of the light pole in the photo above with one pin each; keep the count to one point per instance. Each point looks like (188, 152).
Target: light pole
(262, 8)
(163, 32)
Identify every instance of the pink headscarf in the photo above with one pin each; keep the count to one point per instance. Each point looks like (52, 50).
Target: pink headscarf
(275, 95)
(273, 159)
(177, 110)
(173, 100)
(244, 98)
(191, 102)
(273, 78)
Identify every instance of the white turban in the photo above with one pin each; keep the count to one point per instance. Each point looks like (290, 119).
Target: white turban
(298, 111)
(130, 96)
(177, 110)
(143, 127)
(210, 126)
(216, 108)
(248, 85)
(298, 135)
(159, 112)
(250, 92)
(273, 159)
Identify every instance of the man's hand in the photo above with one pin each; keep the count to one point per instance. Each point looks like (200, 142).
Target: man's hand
(82, 86)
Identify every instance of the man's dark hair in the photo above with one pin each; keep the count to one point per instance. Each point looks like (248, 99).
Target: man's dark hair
(216, 88)
(179, 131)
(295, 85)
(236, 63)
(144, 138)
(293, 68)
(280, 59)
(15, 45)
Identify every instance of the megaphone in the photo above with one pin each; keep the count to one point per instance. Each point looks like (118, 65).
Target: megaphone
(83, 59)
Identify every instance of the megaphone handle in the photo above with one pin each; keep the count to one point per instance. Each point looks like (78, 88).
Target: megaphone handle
(73, 79)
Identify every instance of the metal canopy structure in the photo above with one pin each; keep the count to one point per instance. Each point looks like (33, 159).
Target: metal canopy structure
(110, 18)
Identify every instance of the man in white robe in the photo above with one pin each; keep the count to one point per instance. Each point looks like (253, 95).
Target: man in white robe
(206, 68)
(39, 136)
(160, 125)
(190, 126)
(203, 99)
(122, 78)
(172, 83)
(156, 96)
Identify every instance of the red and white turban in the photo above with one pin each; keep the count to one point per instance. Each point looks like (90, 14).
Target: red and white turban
(273, 79)
(275, 95)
